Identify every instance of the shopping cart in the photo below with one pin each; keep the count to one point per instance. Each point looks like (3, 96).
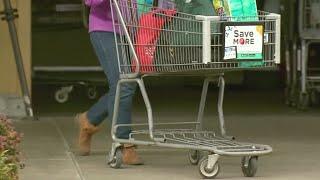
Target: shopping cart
(309, 31)
(163, 41)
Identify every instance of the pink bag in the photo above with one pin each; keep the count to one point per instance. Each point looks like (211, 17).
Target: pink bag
(147, 35)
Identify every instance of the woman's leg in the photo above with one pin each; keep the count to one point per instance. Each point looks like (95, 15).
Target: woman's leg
(105, 48)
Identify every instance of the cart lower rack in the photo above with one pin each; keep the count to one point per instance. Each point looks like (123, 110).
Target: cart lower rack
(204, 140)
(156, 41)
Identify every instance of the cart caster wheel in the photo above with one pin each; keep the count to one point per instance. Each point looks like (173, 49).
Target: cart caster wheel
(194, 157)
(303, 101)
(208, 173)
(249, 166)
(117, 159)
(92, 93)
(61, 96)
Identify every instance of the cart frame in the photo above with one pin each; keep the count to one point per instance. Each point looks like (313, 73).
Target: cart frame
(194, 139)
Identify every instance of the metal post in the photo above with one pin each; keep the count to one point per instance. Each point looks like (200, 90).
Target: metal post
(9, 15)
(117, 103)
(85, 15)
(148, 107)
(288, 76)
(294, 72)
(202, 104)
(221, 84)
(304, 67)
(220, 106)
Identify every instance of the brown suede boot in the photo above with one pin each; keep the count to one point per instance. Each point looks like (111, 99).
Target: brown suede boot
(130, 156)
(86, 130)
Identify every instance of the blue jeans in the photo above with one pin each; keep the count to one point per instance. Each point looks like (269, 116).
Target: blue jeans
(105, 49)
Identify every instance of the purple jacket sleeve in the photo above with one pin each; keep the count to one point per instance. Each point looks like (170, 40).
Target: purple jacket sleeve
(94, 2)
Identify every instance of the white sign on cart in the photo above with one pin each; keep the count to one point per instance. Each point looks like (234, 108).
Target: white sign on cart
(243, 42)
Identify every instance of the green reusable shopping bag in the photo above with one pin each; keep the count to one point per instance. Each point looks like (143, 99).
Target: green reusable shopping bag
(181, 42)
(144, 6)
(250, 11)
(239, 10)
(188, 32)
(196, 7)
(236, 8)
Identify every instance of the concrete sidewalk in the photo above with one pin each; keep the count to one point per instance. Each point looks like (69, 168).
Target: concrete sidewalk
(49, 143)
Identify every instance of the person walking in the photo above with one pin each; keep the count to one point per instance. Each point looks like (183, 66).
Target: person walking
(103, 41)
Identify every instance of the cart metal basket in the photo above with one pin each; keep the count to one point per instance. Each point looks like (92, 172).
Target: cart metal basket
(162, 40)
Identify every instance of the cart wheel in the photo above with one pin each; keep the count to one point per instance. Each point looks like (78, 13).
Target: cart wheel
(194, 156)
(303, 101)
(117, 159)
(92, 93)
(208, 173)
(61, 96)
(249, 166)
(314, 97)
